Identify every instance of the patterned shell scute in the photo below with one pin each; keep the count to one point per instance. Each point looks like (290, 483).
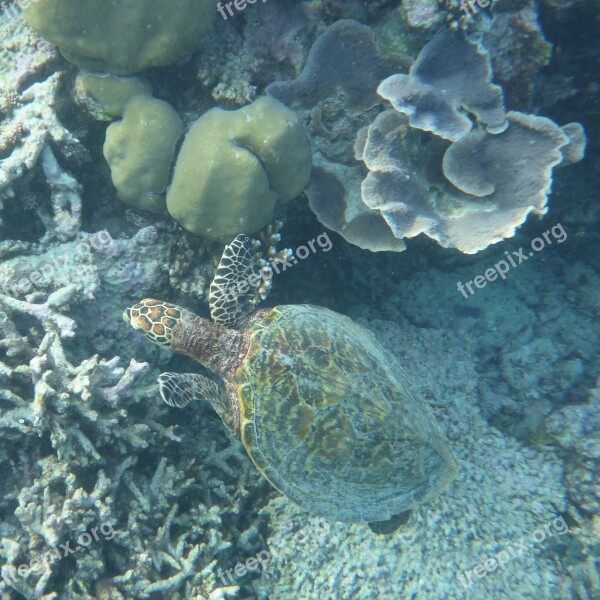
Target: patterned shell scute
(329, 419)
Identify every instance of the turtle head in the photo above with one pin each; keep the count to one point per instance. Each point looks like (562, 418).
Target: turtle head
(155, 318)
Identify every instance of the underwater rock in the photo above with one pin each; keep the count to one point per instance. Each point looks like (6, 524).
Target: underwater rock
(121, 38)
(234, 166)
(519, 52)
(422, 14)
(451, 73)
(140, 148)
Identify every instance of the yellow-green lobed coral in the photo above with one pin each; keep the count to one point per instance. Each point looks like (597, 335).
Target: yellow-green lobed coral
(140, 148)
(105, 96)
(235, 165)
(122, 37)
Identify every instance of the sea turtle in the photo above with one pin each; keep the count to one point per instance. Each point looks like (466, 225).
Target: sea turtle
(323, 410)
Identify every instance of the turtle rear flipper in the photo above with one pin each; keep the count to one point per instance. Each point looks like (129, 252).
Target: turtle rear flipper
(234, 289)
(179, 389)
(391, 525)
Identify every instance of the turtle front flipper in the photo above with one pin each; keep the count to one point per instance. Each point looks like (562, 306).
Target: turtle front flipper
(235, 289)
(179, 389)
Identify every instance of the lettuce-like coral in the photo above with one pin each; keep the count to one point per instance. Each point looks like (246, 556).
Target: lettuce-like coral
(466, 195)
(123, 37)
(234, 166)
(451, 75)
(497, 180)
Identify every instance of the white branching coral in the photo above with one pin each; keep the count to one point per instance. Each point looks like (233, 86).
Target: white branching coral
(29, 124)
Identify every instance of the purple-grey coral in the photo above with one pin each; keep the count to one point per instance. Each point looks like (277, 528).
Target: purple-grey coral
(468, 194)
(492, 192)
(450, 78)
(345, 58)
(339, 207)
(335, 95)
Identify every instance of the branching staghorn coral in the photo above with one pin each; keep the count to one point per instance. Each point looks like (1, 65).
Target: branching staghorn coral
(76, 433)
(85, 441)
(29, 124)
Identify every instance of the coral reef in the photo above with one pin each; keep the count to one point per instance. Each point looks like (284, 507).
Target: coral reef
(122, 39)
(335, 95)
(234, 166)
(172, 503)
(500, 172)
(30, 125)
(85, 428)
(345, 58)
(498, 191)
(339, 207)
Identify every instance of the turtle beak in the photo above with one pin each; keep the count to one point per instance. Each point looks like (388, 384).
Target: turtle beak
(127, 315)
